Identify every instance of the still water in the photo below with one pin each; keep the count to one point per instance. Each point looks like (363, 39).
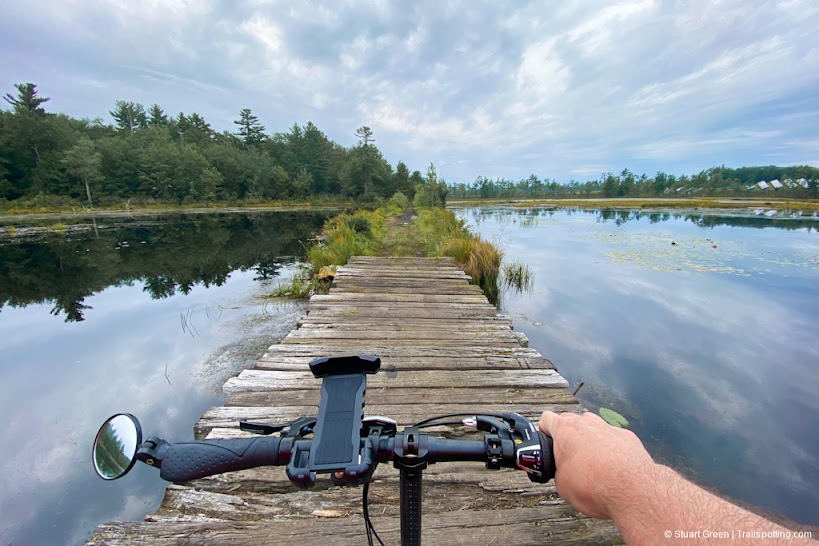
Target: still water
(148, 316)
(702, 330)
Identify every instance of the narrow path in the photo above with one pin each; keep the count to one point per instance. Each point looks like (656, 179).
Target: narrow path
(444, 349)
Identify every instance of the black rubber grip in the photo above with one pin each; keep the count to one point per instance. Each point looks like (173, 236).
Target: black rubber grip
(187, 461)
(548, 456)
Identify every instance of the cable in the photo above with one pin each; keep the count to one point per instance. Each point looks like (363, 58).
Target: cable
(367, 522)
(423, 424)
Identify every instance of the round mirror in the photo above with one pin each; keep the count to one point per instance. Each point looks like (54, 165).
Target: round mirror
(116, 445)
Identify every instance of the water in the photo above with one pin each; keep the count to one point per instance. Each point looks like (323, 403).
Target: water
(148, 316)
(701, 330)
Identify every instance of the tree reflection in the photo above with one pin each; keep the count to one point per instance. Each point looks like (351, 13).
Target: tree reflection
(170, 255)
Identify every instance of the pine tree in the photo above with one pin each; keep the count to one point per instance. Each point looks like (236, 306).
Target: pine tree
(129, 116)
(27, 99)
(250, 130)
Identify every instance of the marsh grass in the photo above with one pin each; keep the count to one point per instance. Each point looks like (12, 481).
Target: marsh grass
(301, 285)
(361, 233)
(518, 276)
(442, 234)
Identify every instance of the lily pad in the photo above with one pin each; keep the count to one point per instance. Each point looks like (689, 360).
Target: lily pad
(613, 418)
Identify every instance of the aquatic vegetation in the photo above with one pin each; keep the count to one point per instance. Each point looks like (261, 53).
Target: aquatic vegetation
(518, 276)
(613, 418)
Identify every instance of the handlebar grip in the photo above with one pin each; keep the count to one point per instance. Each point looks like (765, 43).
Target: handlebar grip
(187, 461)
(547, 465)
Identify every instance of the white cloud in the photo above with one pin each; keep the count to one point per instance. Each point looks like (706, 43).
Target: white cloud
(561, 91)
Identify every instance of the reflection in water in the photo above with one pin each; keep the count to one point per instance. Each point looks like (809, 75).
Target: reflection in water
(707, 346)
(61, 379)
(168, 256)
(529, 217)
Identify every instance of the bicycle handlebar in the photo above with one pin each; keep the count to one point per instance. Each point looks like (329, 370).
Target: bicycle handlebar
(186, 461)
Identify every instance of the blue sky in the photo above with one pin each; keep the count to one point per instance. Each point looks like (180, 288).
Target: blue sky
(563, 90)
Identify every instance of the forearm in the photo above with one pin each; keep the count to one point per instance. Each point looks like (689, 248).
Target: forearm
(664, 507)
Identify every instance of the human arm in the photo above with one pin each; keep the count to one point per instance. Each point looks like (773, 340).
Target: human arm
(606, 473)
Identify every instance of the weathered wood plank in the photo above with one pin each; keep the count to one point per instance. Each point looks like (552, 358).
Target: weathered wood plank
(266, 380)
(445, 336)
(388, 364)
(422, 312)
(465, 290)
(548, 524)
(467, 299)
(471, 396)
(491, 321)
(411, 351)
(364, 324)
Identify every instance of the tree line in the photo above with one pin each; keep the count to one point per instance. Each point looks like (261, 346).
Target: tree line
(147, 155)
(798, 181)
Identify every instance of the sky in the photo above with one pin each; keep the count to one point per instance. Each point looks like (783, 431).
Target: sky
(564, 90)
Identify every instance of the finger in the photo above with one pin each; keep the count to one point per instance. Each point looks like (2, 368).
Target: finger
(593, 416)
(547, 422)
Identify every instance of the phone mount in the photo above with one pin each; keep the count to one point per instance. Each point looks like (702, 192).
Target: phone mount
(337, 446)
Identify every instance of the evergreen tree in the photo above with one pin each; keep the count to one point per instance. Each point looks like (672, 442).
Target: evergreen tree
(27, 99)
(251, 131)
(129, 116)
(156, 116)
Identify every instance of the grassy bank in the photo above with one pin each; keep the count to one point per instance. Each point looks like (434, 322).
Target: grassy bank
(804, 205)
(36, 209)
(395, 229)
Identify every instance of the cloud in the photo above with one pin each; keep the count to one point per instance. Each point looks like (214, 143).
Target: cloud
(559, 91)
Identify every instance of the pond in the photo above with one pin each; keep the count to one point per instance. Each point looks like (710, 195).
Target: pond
(701, 330)
(148, 315)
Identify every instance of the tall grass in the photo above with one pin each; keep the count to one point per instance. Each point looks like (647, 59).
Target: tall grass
(358, 234)
(442, 234)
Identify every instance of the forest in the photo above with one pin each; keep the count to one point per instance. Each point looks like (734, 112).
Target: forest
(148, 156)
(801, 182)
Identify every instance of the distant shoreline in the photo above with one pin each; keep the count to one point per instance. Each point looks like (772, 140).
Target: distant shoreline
(138, 211)
(660, 203)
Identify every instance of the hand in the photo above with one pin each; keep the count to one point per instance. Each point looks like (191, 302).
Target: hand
(598, 465)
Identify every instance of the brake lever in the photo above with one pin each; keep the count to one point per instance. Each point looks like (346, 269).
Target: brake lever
(295, 429)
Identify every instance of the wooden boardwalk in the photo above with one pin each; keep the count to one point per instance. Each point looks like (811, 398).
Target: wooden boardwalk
(444, 349)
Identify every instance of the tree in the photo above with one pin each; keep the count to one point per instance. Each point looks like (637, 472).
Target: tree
(84, 162)
(365, 134)
(129, 116)
(401, 180)
(27, 99)
(157, 116)
(251, 131)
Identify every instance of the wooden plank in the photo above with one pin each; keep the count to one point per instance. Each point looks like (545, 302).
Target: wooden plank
(358, 323)
(268, 380)
(442, 334)
(471, 396)
(547, 524)
(389, 364)
(410, 351)
(474, 299)
(465, 290)
(423, 312)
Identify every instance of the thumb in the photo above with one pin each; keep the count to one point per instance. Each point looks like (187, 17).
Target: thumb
(547, 422)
